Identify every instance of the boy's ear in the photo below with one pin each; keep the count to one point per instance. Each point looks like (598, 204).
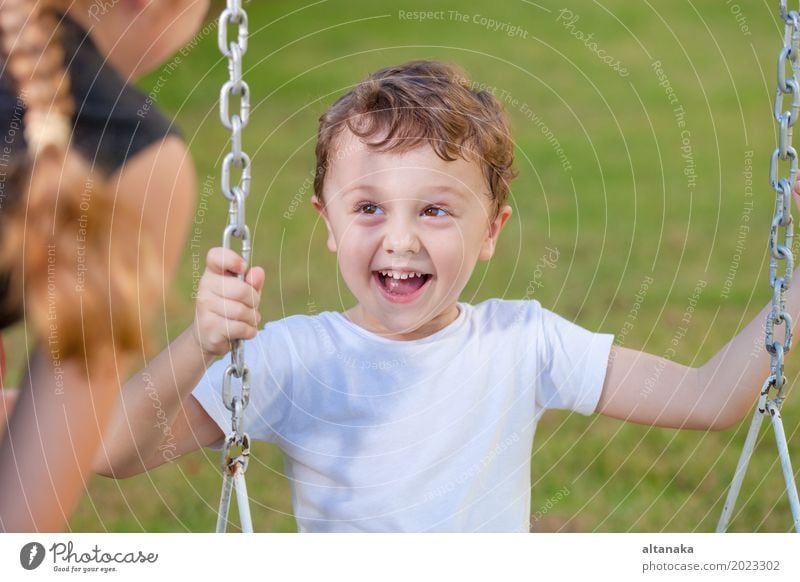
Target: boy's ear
(319, 206)
(490, 242)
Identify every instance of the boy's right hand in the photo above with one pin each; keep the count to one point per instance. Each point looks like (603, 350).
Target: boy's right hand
(227, 307)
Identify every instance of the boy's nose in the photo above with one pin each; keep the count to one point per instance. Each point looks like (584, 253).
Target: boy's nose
(401, 240)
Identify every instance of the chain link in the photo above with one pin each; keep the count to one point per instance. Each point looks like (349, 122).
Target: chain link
(236, 452)
(236, 195)
(782, 220)
(234, 14)
(778, 251)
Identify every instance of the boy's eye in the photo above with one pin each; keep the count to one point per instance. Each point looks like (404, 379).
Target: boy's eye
(435, 212)
(368, 208)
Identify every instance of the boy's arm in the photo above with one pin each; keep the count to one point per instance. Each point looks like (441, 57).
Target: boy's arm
(190, 429)
(157, 419)
(647, 389)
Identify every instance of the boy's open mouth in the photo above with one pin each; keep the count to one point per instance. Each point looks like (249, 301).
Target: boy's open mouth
(400, 282)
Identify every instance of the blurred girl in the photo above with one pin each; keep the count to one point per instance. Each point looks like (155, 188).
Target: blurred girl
(96, 195)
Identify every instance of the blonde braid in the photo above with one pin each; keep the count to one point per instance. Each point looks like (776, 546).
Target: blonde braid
(57, 241)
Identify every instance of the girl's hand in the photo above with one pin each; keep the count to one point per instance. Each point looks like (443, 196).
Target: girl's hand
(796, 191)
(227, 307)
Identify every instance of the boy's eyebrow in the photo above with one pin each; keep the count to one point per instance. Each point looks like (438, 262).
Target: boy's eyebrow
(359, 188)
(435, 189)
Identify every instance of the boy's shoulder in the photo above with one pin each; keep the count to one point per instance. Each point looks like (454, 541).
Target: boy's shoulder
(297, 323)
(491, 308)
(491, 314)
(504, 313)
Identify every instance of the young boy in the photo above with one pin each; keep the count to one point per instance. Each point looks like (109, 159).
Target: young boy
(411, 411)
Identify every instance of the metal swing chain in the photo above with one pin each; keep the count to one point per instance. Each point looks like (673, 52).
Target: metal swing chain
(236, 451)
(782, 219)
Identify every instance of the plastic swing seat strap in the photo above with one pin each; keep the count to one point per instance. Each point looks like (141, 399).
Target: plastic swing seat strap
(237, 481)
(782, 219)
(772, 408)
(236, 452)
(235, 455)
(234, 468)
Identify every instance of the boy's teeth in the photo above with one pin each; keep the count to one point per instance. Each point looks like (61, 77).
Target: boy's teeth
(395, 275)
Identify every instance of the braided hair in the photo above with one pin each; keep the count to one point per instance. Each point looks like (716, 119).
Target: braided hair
(78, 285)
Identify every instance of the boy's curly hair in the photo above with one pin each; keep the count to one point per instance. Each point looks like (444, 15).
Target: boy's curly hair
(399, 108)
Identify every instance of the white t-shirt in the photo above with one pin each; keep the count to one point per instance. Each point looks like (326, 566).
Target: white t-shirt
(432, 434)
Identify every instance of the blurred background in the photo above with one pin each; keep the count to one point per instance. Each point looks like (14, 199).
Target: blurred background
(643, 134)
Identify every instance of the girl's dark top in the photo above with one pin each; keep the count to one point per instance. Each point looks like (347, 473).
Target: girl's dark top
(113, 122)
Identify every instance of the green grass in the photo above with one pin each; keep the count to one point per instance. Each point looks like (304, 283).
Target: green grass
(621, 213)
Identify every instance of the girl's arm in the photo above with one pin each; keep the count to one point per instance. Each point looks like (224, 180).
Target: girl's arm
(8, 399)
(57, 423)
(161, 183)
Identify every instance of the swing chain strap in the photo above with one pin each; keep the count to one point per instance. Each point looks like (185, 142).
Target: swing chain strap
(782, 218)
(235, 16)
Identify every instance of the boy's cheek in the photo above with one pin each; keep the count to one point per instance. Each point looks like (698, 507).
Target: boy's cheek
(349, 254)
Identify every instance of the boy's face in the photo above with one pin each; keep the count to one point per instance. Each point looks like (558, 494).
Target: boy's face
(406, 213)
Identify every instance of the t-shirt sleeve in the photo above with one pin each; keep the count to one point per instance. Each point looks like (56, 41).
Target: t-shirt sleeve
(573, 363)
(268, 360)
